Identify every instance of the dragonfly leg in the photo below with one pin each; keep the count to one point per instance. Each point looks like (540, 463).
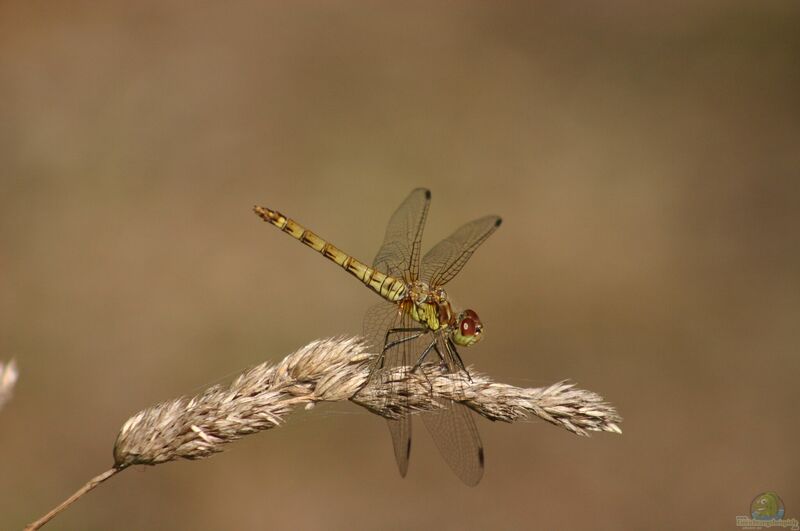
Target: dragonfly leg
(439, 353)
(388, 345)
(424, 354)
(453, 349)
(422, 358)
(398, 330)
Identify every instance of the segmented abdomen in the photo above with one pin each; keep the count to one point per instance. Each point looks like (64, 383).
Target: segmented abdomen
(388, 287)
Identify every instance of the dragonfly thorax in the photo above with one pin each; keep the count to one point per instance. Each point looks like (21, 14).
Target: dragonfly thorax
(427, 306)
(420, 292)
(431, 308)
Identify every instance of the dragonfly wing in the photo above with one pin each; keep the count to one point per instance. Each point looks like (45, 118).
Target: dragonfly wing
(406, 338)
(453, 428)
(378, 319)
(446, 258)
(399, 254)
(400, 430)
(454, 431)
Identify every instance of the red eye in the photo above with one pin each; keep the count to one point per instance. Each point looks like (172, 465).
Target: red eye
(467, 326)
(471, 313)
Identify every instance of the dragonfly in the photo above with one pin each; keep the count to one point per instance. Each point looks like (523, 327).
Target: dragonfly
(416, 318)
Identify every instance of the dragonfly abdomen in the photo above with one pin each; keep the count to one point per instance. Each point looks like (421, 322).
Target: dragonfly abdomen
(388, 287)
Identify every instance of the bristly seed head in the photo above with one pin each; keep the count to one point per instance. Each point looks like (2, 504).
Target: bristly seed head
(334, 370)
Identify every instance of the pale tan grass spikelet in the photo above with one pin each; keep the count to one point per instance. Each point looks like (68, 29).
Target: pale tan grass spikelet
(8, 378)
(335, 370)
(330, 370)
(259, 399)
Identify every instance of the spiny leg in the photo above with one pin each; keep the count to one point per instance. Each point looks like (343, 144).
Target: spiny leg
(388, 345)
(442, 364)
(424, 354)
(396, 342)
(454, 351)
(439, 353)
(398, 330)
(422, 358)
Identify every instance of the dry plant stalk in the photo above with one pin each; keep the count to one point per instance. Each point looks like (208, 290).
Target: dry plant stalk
(8, 377)
(326, 371)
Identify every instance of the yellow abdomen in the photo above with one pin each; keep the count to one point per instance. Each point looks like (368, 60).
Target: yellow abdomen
(390, 288)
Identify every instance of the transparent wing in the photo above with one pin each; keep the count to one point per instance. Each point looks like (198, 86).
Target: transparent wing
(378, 319)
(446, 258)
(399, 254)
(453, 429)
(400, 431)
(406, 340)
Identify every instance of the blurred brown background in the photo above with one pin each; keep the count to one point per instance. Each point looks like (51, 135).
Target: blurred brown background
(644, 158)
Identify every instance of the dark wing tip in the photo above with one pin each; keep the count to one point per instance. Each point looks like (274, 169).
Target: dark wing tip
(404, 465)
(422, 190)
(498, 222)
(480, 455)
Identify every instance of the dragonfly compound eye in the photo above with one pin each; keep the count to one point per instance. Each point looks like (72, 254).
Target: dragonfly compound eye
(468, 326)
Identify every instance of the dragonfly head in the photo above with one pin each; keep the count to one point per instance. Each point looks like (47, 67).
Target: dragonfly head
(469, 329)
